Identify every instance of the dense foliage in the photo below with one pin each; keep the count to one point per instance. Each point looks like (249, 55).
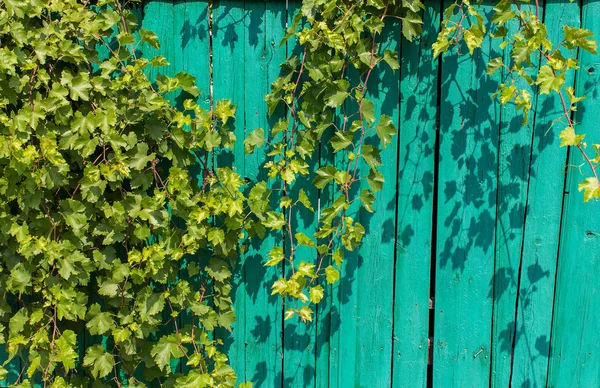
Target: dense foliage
(99, 207)
(117, 229)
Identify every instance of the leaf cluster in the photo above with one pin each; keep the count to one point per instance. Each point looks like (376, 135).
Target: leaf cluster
(533, 64)
(106, 235)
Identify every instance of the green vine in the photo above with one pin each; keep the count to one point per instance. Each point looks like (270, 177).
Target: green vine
(105, 231)
(99, 210)
(534, 62)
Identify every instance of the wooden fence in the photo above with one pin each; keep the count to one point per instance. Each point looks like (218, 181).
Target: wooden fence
(480, 264)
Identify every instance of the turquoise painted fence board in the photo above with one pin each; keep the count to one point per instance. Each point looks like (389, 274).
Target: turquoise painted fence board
(301, 350)
(361, 331)
(513, 173)
(467, 186)
(160, 17)
(372, 298)
(246, 35)
(574, 357)
(416, 166)
(228, 60)
(328, 313)
(192, 44)
(540, 244)
(269, 23)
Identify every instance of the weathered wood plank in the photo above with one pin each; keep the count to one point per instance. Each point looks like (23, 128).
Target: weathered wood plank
(265, 22)
(418, 133)
(300, 347)
(360, 349)
(327, 312)
(375, 273)
(515, 141)
(467, 187)
(245, 42)
(160, 18)
(228, 61)
(574, 355)
(191, 42)
(531, 333)
(191, 39)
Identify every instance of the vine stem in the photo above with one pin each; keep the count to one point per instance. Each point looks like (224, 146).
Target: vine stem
(568, 117)
(583, 153)
(570, 122)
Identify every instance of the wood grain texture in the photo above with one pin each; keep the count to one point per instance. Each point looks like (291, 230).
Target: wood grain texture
(228, 61)
(160, 18)
(245, 39)
(574, 354)
(531, 334)
(417, 142)
(467, 188)
(371, 299)
(360, 331)
(192, 45)
(514, 158)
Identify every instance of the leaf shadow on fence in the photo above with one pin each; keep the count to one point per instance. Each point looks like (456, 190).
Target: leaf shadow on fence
(493, 190)
(194, 30)
(224, 26)
(469, 130)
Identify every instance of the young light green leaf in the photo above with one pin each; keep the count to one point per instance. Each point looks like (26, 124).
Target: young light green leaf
(331, 274)
(324, 175)
(303, 198)
(255, 139)
(341, 140)
(338, 257)
(569, 137)
(494, 65)
(276, 256)
(305, 240)
(371, 155)
(149, 37)
(385, 130)
(549, 81)
(391, 58)
(579, 37)
(316, 293)
(590, 188)
(167, 348)
(65, 352)
(367, 198)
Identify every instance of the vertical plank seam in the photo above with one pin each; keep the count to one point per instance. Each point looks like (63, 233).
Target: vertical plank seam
(396, 212)
(210, 4)
(492, 325)
(284, 241)
(567, 179)
(178, 318)
(529, 170)
(434, 221)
